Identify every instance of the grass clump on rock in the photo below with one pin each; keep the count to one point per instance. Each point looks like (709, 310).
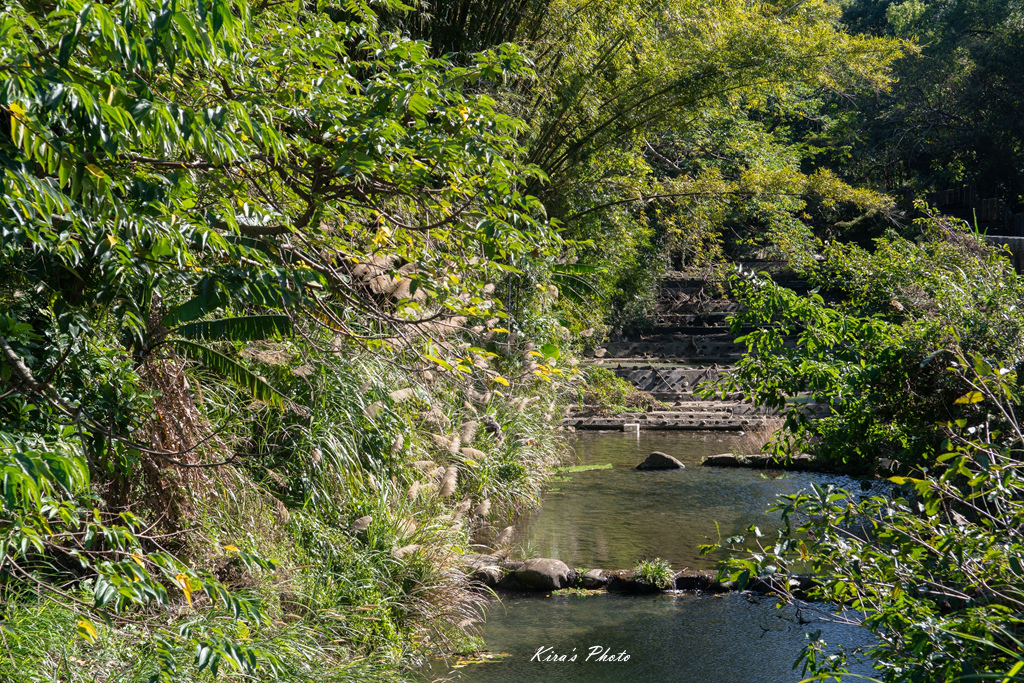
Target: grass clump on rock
(656, 572)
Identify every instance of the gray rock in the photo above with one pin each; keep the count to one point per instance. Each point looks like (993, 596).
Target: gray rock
(544, 574)
(660, 461)
(594, 578)
(489, 575)
(699, 581)
(722, 460)
(475, 561)
(769, 462)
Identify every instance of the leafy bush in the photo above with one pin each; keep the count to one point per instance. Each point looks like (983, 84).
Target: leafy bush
(205, 206)
(871, 344)
(915, 349)
(931, 564)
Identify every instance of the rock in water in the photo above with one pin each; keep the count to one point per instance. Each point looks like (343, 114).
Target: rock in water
(543, 574)
(594, 578)
(660, 461)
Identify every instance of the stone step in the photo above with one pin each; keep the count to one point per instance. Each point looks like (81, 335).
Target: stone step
(708, 422)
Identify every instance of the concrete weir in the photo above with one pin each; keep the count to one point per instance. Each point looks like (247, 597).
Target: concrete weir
(706, 419)
(690, 345)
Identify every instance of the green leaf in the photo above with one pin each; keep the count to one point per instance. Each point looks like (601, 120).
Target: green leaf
(243, 328)
(550, 351)
(239, 374)
(1012, 673)
(194, 308)
(87, 630)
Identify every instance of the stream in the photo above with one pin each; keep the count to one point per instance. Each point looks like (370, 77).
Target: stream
(610, 518)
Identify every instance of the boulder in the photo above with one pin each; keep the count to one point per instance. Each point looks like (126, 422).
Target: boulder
(769, 462)
(699, 581)
(721, 460)
(594, 578)
(624, 581)
(660, 461)
(489, 575)
(475, 561)
(544, 574)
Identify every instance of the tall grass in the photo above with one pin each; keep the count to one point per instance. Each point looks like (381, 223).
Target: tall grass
(347, 601)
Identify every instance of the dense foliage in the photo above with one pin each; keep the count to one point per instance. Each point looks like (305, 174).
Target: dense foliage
(954, 113)
(913, 361)
(870, 345)
(289, 294)
(672, 127)
(207, 204)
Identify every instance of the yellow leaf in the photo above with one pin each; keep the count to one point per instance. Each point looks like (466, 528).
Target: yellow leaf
(95, 170)
(500, 380)
(87, 630)
(16, 109)
(186, 587)
(111, 240)
(231, 548)
(138, 560)
(971, 397)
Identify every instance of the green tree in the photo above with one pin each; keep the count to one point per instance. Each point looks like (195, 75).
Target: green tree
(871, 354)
(181, 178)
(664, 125)
(912, 353)
(953, 113)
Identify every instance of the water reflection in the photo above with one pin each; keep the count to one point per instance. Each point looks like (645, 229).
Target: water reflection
(612, 518)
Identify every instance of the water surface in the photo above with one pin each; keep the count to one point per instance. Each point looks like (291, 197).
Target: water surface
(612, 518)
(678, 638)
